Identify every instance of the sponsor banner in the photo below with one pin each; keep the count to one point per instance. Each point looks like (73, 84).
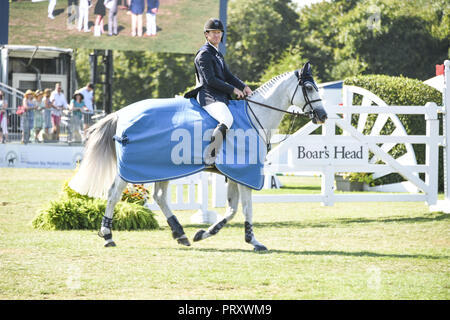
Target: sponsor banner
(40, 156)
(337, 153)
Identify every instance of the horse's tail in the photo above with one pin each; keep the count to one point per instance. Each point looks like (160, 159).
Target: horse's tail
(98, 168)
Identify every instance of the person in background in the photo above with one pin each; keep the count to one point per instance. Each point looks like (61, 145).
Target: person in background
(3, 118)
(39, 114)
(152, 10)
(100, 11)
(88, 94)
(111, 5)
(27, 117)
(83, 15)
(137, 9)
(76, 107)
(47, 114)
(59, 103)
(51, 7)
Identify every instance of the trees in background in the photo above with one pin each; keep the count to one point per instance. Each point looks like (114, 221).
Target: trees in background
(265, 38)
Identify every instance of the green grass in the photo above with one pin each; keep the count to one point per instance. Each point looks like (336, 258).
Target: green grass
(348, 251)
(180, 25)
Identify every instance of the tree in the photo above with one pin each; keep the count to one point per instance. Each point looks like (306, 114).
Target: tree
(392, 37)
(140, 75)
(258, 32)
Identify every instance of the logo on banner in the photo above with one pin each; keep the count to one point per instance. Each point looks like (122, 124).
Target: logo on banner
(11, 159)
(77, 159)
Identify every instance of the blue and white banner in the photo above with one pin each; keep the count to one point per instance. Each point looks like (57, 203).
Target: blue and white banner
(40, 156)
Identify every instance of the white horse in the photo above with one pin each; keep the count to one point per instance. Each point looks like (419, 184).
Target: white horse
(97, 175)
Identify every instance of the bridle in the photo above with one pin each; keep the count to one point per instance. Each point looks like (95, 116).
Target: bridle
(301, 83)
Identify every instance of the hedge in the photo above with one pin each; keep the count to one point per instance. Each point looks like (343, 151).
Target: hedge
(75, 211)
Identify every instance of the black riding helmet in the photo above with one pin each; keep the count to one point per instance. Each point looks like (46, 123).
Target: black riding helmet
(214, 24)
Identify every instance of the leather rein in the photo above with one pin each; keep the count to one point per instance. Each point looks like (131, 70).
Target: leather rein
(309, 114)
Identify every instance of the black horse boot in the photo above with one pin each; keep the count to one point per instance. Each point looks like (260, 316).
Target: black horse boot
(217, 138)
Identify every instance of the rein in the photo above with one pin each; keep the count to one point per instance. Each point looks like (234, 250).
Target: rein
(295, 114)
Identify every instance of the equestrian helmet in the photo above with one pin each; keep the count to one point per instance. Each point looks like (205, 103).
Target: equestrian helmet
(213, 24)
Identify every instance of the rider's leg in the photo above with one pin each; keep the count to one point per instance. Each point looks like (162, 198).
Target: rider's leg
(220, 112)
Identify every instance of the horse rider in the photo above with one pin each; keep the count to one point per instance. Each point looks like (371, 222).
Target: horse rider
(215, 85)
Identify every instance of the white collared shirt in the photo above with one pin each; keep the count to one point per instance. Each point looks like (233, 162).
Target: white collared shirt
(58, 100)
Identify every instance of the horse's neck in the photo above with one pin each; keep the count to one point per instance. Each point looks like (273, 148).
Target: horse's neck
(275, 93)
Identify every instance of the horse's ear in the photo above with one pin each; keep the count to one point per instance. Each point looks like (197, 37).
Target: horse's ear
(306, 70)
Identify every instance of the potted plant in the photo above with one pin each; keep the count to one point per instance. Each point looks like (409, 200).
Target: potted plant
(353, 181)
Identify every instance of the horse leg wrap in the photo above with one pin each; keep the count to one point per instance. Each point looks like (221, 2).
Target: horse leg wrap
(250, 238)
(177, 229)
(107, 226)
(216, 227)
(107, 222)
(248, 232)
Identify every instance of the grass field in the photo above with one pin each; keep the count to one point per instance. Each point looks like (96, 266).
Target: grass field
(180, 24)
(348, 251)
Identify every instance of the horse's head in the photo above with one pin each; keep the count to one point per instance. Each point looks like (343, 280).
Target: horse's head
(308, 97)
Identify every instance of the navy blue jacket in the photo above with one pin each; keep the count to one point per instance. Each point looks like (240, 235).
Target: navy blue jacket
(152, 4)
(216, 81)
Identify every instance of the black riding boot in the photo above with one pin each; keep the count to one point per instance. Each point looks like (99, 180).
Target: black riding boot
(217, 138)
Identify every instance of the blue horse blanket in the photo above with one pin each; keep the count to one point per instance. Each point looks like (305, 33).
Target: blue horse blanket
(164, 139)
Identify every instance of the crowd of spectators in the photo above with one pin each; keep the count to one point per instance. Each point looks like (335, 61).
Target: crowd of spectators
(41, 112)
(134, 8)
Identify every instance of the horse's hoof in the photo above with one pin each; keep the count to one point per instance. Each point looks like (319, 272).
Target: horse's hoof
(199, 235)
(184, 241)
(260, 248)
(110, 244)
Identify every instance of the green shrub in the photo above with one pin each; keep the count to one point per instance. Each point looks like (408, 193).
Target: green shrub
(75, 211)
(399, 91)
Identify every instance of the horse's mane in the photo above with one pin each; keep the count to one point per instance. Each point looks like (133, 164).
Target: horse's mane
(269, 84)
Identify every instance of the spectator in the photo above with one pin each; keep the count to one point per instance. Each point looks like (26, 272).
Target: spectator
(3, 118)
(88, 94)
(59, 103)
(152, 10)
(77, 105)
(137, 9)
(28, 116)
(83, 15)
(38, 115)
(122, 4)
(100, 11)
(111, 5)
(51, 7)
(47, 114)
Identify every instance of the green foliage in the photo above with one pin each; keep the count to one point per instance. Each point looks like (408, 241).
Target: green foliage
(140, 75)
(258, 32)
(345, 38)
(401, 91)
(392, 37)
(363, 177)
(75, 211)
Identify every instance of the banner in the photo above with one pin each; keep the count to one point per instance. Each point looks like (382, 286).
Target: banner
(40, 156)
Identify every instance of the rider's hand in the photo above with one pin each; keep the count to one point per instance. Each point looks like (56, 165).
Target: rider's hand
(238, 93)
(248, 91)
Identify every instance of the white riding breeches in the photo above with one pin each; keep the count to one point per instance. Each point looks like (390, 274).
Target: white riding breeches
(220, 112)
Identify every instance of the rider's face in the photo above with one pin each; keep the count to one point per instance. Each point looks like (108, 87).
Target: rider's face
(214, 36)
